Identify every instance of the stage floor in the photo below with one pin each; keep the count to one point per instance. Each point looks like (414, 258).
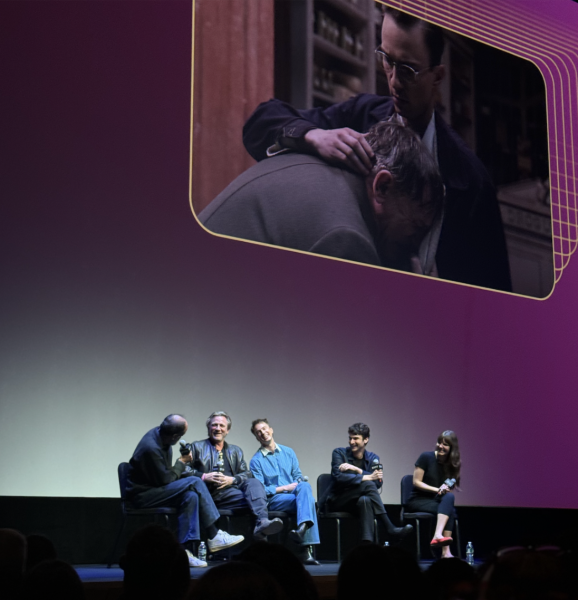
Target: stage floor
(96, 573)
(101, 583)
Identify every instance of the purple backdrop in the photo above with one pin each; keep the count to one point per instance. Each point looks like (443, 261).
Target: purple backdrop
(117, 308)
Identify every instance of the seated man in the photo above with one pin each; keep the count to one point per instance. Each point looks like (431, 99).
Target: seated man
(152, 481)
(301, 202)
(277, 468)
(357, 476)
(223, 468)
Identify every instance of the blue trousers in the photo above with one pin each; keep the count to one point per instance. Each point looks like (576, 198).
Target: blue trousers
(301, 503)
(191, 498)
(247, 495)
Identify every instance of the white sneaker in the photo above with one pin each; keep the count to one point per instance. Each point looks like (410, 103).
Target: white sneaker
(194, 561)
(223, 540)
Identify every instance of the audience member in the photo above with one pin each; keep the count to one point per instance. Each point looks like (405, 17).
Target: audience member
(238, 580)
(395, 571)
(39, 548)
(52, 579)
(12, 562)
(284, 567)
(451, 578)
(155, 566)
(525, 574)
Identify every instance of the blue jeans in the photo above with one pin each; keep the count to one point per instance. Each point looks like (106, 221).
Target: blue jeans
(301, 503)
(191, 498)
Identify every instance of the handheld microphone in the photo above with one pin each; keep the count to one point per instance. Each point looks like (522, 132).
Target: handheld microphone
(376, 466)
(185, 448)
(220, 465)
(449, 483)
(303, 478)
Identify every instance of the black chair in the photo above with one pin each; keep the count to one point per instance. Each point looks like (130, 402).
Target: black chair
(323, 483)
(128, 511)
(406, 489)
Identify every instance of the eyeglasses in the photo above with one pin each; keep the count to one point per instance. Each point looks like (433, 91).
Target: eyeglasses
(405, 73)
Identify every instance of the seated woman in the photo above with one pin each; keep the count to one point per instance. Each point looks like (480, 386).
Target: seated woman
(431, 494)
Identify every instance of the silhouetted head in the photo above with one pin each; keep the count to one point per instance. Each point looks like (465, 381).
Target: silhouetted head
(155, 565)
(238, 580)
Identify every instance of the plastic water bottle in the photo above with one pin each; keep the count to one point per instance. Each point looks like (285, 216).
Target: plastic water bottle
(203, 551)
(470, 554)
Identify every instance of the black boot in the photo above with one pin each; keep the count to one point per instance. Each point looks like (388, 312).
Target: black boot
(298, 534)
(306, 557)
(399, 532)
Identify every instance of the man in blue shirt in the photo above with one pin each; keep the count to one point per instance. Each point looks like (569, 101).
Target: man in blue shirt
(277, 468)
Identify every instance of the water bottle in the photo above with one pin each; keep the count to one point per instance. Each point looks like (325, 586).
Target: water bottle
(203, 551)
(470, 554)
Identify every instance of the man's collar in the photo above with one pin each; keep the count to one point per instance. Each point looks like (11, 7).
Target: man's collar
(349, 452)
(208, 441)
(265, 451)
(429, 137)
(163, 443)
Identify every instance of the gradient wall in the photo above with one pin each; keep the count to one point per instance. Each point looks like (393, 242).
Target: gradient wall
(117, 308)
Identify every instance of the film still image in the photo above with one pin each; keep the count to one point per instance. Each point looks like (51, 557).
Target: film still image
(396, 143)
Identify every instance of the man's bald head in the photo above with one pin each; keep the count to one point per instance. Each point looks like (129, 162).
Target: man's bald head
(173, 427)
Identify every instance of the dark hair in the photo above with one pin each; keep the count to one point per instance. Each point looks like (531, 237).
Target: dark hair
(256, 422)
(453, 464)
(395, 566)
(399, 150)
(527, 574)
(237, 580)
(433, 35)
(359, 429)
(40, 548)
(53, 579)
(283, 566)
(173, 425)
(220, 413)
(155, 565)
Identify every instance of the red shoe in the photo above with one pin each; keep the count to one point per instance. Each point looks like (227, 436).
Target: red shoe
(438, 543)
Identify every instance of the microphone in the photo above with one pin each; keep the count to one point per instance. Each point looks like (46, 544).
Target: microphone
(449, 483)
(220, 465)
(185, 448)
(376, 466)
(303, 478)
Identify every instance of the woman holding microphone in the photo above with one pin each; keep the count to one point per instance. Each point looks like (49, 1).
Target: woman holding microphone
(431, 493)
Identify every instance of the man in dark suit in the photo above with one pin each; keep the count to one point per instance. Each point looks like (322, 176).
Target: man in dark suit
(472, 247)
(357, 476)
(301, 202)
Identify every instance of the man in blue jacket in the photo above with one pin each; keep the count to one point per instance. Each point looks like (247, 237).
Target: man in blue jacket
(357, 476)
(277, 468)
